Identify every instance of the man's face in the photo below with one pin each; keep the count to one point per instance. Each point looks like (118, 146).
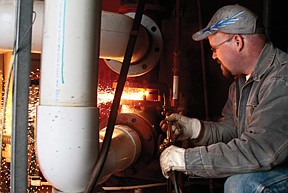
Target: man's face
(220, 46)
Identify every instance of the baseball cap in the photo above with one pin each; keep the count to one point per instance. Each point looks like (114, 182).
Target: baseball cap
(234, 19)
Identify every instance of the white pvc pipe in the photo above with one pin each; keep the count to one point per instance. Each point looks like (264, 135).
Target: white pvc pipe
(125, 148)
(67, 117)
(115, 31)
(7, 25)
(67, 145)
(68, 63)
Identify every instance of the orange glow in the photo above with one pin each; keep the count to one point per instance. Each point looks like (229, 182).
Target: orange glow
(132, 99)
(106, 95)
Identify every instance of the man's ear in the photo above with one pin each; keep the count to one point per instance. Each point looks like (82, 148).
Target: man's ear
(239, 41)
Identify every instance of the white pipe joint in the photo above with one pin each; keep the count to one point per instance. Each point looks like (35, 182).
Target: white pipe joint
(115, 34)
(67, 145)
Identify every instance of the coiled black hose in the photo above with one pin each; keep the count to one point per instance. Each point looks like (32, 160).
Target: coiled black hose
(117, 97)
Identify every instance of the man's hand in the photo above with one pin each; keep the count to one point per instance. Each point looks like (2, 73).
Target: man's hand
(172, 158)
(182, 127)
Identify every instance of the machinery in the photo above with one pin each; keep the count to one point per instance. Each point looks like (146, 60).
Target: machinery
(67, 123)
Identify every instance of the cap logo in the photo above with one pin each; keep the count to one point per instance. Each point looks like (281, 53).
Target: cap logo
(223, 23)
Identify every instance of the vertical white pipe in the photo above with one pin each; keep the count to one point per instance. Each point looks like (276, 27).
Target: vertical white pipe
(68, 65)
(67, 117)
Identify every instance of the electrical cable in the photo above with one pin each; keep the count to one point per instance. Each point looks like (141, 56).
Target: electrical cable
(117, 97)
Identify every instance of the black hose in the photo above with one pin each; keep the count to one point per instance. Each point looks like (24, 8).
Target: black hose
(117, 97)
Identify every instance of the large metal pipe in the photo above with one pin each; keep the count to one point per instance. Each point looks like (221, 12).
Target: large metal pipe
(124, 150)
(21, 69)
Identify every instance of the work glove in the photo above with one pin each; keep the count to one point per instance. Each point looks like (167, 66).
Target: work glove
(172, 159)
(182, 127)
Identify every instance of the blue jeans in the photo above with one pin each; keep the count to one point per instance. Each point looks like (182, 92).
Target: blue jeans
(272, 181)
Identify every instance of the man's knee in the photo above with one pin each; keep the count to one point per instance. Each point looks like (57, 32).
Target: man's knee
(236, 184)
(267, 181)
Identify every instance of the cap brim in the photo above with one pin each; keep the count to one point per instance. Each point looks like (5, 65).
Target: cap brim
(203, 34)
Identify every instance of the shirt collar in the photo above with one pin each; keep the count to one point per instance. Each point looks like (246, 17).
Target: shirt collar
(265, 60)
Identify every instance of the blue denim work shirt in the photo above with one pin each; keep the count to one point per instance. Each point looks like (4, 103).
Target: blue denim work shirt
(253, 135)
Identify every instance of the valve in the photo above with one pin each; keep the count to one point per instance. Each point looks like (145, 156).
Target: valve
(169, 139)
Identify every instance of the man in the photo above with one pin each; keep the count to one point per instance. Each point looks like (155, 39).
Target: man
(249, 144)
